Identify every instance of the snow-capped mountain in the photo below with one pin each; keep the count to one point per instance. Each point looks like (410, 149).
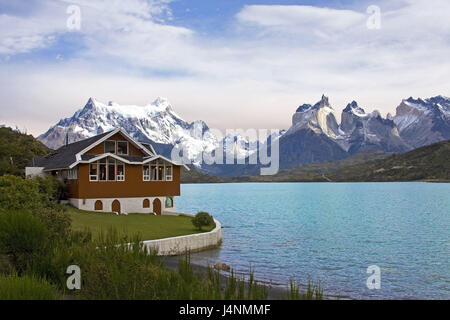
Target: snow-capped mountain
(156, 122)
(360, 131)
(315, 135)
(422, 122)
(319, 118)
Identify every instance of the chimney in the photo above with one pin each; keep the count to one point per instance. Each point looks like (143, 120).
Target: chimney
(67, 138)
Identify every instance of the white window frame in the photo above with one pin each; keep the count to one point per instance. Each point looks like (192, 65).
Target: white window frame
(108, 164)
(118, 178)
(115, 146)
(146, 177)
(91, 175)
(128, 148)
(166, 176)
(158, 164)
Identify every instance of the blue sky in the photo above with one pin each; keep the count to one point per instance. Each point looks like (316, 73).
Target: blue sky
(233, 64)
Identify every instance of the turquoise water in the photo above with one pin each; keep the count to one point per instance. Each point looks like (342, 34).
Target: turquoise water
(331, 233)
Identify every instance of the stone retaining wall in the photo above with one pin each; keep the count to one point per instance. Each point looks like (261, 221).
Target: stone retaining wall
(193, 242)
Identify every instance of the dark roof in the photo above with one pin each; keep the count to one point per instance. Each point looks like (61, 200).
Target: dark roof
(65, 156)
(147, 145)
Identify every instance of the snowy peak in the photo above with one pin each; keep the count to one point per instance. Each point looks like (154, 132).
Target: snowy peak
(361, 131)
(323, 103)
(155, 122)
(318, 118)
(422, 122)
(438, 104)
(354, 109)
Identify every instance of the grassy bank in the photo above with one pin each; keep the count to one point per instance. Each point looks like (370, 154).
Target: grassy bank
(40, 239)
(146, 226)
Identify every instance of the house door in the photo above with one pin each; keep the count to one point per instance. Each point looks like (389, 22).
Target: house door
(157, 206)
(116, 206)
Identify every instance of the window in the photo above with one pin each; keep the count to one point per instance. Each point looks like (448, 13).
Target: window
(107, 170)
(169, 202)
(168, 173)
(160, 173)
(146, 173)
(154, 173)
(102, 171)
(157, 171)
(73, 174)
(146, 203)
(122, 147)
(111, 170)
(93, 172)
(110, 146)
(120, 171)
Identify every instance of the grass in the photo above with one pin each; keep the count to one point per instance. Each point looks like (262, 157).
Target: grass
(148, 227)
(13, 287)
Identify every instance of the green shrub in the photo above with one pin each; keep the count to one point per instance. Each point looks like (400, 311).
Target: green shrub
(57, 222)
(202, 219)
(52, 188)
(23, 237)
(13, 287)
(36, 196)
(17, 193)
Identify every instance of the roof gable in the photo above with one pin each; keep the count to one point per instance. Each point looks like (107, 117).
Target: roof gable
(66, 155)
(70, 155)
(110, 135)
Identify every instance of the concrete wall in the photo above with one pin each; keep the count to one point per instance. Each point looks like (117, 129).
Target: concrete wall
(127, 205)
(194, 242)
(32, 172)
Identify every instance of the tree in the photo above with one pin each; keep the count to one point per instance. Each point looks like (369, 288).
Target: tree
(202, 219)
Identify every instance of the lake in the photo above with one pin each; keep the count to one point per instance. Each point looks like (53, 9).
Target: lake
(332, 232)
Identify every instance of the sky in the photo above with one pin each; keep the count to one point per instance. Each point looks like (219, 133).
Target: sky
(232, 63)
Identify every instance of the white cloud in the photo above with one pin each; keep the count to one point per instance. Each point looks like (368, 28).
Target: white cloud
(277, 58)
(297, 16)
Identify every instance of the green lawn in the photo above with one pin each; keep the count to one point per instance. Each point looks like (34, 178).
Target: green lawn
(149, 227)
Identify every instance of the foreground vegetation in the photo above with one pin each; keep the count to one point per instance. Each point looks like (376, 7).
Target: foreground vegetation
(39, 240)
(148, 227)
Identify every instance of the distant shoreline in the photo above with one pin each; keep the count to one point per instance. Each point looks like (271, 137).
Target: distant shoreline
(229, 182)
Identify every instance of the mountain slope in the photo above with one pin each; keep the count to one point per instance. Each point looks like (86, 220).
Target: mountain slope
(422, 122)
(431, 162)
(314, 172)
(319, 118)
(361, 131)
(314, 136)
(196, 176)
(156, 123)
(16, 151)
